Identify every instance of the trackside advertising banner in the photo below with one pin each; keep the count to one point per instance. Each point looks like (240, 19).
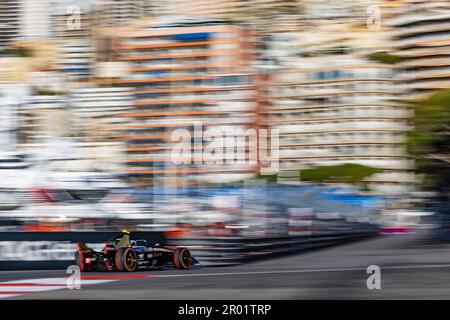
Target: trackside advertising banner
(54, 250)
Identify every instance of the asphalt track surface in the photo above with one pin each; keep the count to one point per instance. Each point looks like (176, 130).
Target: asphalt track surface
(410, 269)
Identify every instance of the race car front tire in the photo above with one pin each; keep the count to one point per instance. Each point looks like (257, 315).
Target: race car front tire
(182, 258)
(126, 260)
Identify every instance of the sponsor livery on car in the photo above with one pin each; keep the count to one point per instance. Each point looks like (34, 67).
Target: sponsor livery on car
(123, 254)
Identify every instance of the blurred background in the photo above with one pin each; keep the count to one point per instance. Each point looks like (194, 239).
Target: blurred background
(91, 92)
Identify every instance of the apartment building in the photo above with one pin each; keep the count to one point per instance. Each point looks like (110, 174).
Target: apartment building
(332, 103)
(26, 20)
(186, 73)
(44, 117)
(75, 58)
(35, 19)
(97, 111)
(262, 15)
(71, 31)
(421, 35)
(334, 110)
(12, 96)
(119, 12)
(9, 21)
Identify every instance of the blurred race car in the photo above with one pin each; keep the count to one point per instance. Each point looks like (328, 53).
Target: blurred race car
(123, 254)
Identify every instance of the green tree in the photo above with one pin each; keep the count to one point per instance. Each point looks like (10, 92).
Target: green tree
(387, 58)
(17, 52)
(348, 172)
(429, 143)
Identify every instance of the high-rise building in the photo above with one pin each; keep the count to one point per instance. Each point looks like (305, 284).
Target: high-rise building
(75, 58)
(421, 35)
(284, 15)
(96, 111)
(12, 97)
(186, 74)
(119, 12)
(333, 104)
(71, 31)
(44, 117)
(334, 110)
(24, 19)
(9, 21)
(74, 22)
(35, 19)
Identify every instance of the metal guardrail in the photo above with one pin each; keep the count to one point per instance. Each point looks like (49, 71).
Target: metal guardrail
(222, 251)
(54, 250)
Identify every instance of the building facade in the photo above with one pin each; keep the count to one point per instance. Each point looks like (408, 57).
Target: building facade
(191, 76)
(333, 104)
(420, 34)
(335, 110)
(9, 21)
(97, 111)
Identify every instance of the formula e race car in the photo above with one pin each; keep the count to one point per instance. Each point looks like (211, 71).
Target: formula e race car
(123, 254)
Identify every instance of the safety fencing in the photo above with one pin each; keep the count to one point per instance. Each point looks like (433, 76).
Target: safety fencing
(222, 251)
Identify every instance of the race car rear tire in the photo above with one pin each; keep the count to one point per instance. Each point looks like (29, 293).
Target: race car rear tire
(182, 258)
(126, 260)
(79, 260)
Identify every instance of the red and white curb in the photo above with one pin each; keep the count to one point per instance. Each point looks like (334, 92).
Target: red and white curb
(15, 288)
